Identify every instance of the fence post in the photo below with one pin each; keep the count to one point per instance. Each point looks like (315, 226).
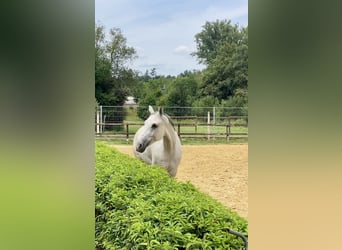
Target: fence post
(97, 121)
(196, 122)
(208, 125)
(101, 121)
(214, 116)
(127, 132)
(214, 122)
(178, 125)
(227, 132)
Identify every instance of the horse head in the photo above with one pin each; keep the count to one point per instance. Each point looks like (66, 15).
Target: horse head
(152, 131)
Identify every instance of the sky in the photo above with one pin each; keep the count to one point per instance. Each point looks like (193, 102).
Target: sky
(163, 31)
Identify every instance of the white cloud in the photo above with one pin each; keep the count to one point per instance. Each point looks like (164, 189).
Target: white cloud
(214, 13)
(182, 50)
(163, 32)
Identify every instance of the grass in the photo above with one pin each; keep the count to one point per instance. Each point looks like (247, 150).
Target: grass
(117, 135)
(185, 129)
(131, 116)
(212, 129)
(185, 141)
(205, 141)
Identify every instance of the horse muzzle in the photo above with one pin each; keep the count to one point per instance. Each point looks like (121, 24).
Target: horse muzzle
(140, 148)
(141, 145)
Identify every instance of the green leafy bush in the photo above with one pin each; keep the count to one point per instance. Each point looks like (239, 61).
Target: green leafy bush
(141, 207)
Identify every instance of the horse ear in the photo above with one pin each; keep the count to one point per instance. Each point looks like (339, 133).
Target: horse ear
(150, 109)
(160, 110)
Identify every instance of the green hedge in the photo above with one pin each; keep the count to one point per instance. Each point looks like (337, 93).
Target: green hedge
(141, 207)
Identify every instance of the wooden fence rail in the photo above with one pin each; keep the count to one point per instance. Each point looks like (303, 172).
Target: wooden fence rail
(126, 133)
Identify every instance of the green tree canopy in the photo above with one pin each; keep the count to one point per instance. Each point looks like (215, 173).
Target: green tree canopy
(182, 92)
(152, 93)
(112, 76)
(178, 91)
(224, 49)
(212, 37)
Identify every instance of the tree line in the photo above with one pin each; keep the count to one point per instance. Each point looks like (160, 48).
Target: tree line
(220, 46)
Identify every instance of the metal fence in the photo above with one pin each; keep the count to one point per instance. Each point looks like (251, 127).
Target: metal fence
(121, 122)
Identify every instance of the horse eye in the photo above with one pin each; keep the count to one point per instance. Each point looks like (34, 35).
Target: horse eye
(154, 125)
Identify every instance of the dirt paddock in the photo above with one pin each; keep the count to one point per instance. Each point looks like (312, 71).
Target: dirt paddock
(218, 170)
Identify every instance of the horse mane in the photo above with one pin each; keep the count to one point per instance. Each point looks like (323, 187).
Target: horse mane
(170, 133)
(170, 120)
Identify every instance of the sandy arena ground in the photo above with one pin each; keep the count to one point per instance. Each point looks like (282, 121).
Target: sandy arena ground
(218, 170)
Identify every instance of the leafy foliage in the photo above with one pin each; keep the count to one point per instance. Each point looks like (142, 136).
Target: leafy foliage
(224, 48)
(212, 37)
(240, 99)
(141, 207)
(112, 77)
(153, 93)
(180, 91)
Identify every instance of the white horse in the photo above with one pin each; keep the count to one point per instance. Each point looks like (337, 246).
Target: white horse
(157, 142)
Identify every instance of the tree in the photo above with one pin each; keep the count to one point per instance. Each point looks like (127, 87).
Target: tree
(182, 93)
(213, 35)
(240, 100)
(152, 93)
(228, 71)
(119, 52)
(224, 49)
(102, 66)
(112, 76)
(200, 105)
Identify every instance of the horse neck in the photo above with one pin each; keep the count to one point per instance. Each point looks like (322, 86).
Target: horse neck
(169, 138)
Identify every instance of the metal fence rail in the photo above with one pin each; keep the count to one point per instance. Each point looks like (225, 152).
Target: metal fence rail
(121, 123)
(126, 131)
